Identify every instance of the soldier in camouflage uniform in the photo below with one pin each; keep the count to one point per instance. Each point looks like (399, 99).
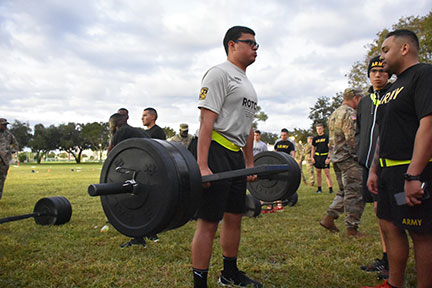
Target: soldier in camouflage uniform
(343, 154)
(299, 157)
(309, 164)
(183, 137)
(8, 146)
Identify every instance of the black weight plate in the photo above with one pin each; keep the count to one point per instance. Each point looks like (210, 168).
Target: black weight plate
(279, 186)
(54, 211)
(190, 186)
(253, 206)
(291, 201)
(149, 210)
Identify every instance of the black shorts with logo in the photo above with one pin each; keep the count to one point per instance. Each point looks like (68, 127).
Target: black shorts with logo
(225, 195)
(320, 162)
(417, 218)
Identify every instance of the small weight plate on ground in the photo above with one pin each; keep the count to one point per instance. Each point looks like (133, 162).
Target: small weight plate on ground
(52, 211)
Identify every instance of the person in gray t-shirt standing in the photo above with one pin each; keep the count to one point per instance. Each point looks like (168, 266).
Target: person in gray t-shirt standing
(228, 103)
(258, 145)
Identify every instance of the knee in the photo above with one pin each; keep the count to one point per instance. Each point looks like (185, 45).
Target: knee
(232, 220)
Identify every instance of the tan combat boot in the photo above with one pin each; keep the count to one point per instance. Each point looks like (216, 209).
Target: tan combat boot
(351, 231)
(328, 223)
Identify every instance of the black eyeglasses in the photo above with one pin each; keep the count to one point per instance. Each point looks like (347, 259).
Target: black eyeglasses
(377, 70)
(251, 43)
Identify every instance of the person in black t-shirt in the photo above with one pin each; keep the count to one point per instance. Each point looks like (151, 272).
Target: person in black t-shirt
(285, 145)
(404, 154)
(149, 118)
(125, 113)
(320, 157)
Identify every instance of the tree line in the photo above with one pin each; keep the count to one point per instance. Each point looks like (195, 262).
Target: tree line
(72, 138)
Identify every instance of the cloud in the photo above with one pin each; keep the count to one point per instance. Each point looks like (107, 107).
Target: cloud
(65, 61)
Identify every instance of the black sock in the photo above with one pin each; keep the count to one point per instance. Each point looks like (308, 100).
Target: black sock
(200, 278)
(319, 188)
(230, 265)
(385, 259)
(331, 189)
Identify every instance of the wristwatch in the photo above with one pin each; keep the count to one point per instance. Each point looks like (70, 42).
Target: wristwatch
(409, 177)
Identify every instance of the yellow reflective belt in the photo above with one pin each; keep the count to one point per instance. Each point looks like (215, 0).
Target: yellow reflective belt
(320, 154)
(224, 142)
(384, 162)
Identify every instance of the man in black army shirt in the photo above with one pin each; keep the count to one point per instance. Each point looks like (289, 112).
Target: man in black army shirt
(285, 145)
(404, 155)
(320, 157)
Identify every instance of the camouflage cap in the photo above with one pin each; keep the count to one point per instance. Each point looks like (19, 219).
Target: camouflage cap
(350, 93)
(184, 127)
(3, 121)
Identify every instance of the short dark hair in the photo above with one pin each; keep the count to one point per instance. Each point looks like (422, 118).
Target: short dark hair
(234, 33)
(284, 130)
(407, 34)
(258, 132)
(123, 109)
(319, 125)
(152, 112)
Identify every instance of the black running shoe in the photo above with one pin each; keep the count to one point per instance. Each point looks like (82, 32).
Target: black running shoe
(384, 274)
(238, 279)
(376, 266)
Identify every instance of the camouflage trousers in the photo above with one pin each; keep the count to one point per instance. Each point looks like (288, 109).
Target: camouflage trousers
(311, 171)
(3, 173)
(350, 199)
(338, 174)
(301, 171)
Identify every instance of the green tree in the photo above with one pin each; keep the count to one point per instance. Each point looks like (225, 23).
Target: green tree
(44, 140)
(268, 137)
(169, 132)
(22, 133)
(97, 135)
(301, 134)
(259, 116)
(422, 26)
(72, 140)
(323, 108)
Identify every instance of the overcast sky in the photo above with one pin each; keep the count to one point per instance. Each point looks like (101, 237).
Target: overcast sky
(79, 61)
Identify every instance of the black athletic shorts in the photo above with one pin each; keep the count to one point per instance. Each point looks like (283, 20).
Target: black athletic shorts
(225, 195)
(368, 197)
(417, 218)
(320, 162)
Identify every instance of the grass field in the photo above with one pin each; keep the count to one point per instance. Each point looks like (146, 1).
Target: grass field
(286, 249)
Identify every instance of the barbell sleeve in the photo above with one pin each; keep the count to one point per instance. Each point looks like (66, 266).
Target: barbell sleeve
(110, 189)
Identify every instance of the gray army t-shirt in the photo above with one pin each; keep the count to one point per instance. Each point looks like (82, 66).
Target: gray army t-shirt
(228, 92)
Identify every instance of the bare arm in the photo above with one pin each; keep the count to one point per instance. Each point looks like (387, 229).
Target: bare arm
(207, 119)
(312, 154)
(421, 155)
(248, 154)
